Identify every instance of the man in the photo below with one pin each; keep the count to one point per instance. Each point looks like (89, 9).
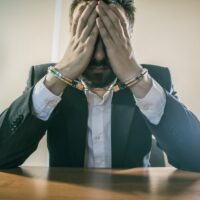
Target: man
(99, 127)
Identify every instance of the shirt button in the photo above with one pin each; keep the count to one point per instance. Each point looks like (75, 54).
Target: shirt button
(146, 107)
(99, 108)
(21, 117)
(97, 137)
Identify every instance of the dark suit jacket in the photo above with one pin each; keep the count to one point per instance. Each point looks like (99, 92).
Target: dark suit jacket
(131, 132)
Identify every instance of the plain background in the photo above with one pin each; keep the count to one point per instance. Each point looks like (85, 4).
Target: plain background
(166, 33)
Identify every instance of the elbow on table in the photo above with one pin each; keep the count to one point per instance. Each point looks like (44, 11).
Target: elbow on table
(192, 165)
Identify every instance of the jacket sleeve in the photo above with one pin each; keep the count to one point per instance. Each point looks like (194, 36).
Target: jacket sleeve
(178, 134)
(20, 130)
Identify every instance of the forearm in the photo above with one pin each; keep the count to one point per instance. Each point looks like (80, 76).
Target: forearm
(178, 133)
(55, 85)
(16, 148)
(141, 89)
(44, 101)
(143, 86)
(176, 129)
(20, 132)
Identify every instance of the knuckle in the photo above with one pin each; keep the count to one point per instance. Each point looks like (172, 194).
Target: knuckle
(80, 43)
(74, 45)
(83, 20)
(80, 49)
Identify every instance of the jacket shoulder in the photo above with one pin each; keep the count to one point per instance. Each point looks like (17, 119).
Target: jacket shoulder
(161, 75)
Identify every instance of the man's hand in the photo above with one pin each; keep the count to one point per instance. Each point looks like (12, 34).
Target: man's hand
(115, 35)
(112, 25)
(84, 34)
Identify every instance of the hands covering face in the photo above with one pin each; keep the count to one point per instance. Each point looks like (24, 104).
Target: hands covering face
(113, 27)
(89, 20)
(84, 34)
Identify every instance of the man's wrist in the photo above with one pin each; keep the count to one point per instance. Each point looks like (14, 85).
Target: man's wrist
(43, 101)
(152, 105)
(143, 86)
(133, 71)
(55, 85)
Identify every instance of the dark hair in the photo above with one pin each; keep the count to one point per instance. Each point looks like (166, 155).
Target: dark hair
(127, 5)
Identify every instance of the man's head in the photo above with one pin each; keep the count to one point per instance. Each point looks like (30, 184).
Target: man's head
(99, 71)
(127, 6)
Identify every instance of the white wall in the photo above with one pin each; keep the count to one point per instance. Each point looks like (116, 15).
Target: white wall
(25, 40)
(166, 33)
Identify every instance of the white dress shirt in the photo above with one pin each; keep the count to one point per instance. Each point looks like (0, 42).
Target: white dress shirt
(98, 151)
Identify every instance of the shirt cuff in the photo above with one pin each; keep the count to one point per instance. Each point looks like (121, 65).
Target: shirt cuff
(153, 104)
(44, 101)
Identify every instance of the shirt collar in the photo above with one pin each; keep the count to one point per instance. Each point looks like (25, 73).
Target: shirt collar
(94, 99)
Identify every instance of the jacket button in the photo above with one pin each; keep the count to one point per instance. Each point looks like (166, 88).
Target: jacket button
(15, 122)
(13, 130)
(21, 117)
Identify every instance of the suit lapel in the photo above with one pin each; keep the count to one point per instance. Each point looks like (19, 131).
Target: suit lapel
(123, 110)
(76, 114)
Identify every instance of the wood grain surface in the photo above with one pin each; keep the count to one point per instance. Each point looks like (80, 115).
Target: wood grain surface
(40, 183)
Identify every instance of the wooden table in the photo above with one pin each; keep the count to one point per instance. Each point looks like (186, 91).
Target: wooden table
(31, 183)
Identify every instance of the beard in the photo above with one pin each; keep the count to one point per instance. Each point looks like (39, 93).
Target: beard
(98, 74)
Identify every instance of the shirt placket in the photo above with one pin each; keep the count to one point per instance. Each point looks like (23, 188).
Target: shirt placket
(98, 136)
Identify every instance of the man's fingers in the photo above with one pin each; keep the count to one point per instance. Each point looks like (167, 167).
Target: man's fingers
(111, 30)
(104, 34)
(76, 16)
(91, 40)
(89, 26)
(84, 17)
(123, 19)
(114, 19)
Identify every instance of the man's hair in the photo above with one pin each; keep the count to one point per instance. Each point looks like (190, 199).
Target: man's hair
(127, 5)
